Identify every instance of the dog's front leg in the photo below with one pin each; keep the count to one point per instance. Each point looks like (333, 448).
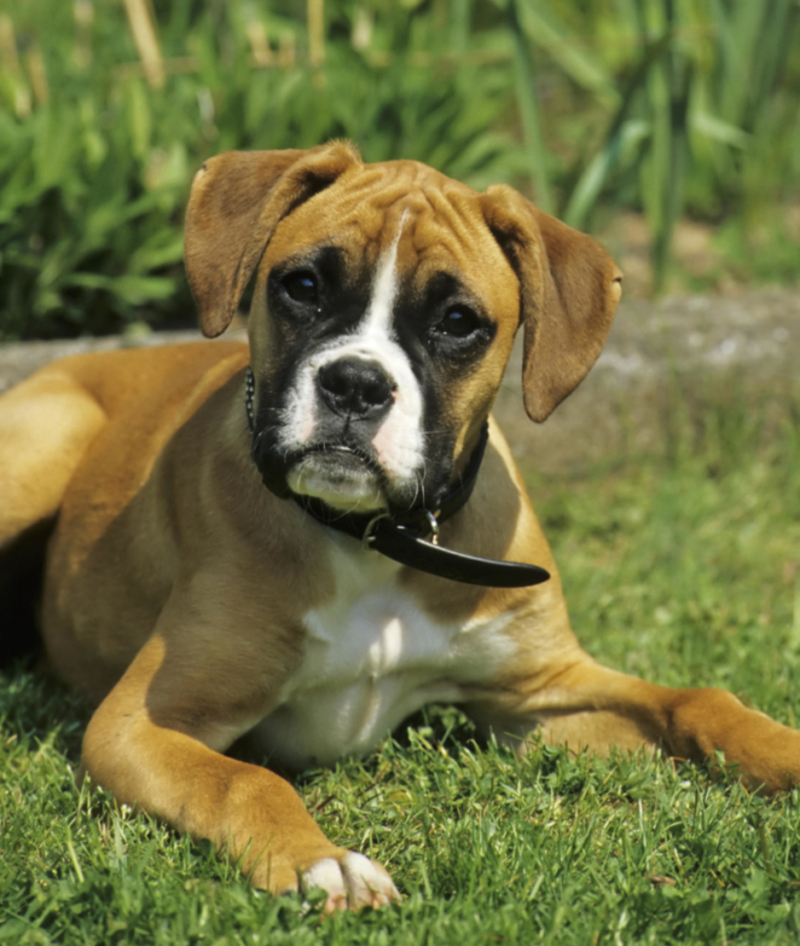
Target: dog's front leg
(152, 744)
(587, 706)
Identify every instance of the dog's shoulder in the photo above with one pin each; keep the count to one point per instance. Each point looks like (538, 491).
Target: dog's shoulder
(123, 379)
(148, 395)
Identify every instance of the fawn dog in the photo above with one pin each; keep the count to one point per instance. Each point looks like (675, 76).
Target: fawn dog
(310, 537)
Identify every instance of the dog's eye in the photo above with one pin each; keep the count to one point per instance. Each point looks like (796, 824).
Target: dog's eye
(459, 323)
(301, 286)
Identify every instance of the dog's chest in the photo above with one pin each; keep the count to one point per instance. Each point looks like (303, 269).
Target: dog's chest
(372, 657)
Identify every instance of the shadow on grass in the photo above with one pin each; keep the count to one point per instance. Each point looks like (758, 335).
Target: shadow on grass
(36, 708)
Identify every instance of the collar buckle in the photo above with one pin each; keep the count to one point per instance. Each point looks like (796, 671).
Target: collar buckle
(432, 522)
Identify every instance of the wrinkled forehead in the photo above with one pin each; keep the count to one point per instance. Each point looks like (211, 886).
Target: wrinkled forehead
(429, 223)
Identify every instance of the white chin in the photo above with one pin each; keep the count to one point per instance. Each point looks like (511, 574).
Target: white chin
(350, 487)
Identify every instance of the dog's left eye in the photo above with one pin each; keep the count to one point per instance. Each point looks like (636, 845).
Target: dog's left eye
(301, 286)
(459, 323)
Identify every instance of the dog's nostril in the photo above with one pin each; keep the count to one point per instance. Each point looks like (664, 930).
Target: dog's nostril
(355, 387)
(336, 382)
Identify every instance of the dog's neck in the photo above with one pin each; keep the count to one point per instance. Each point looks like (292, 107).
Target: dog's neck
(403, 536)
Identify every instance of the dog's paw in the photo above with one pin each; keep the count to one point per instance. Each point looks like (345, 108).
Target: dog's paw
(350, 883)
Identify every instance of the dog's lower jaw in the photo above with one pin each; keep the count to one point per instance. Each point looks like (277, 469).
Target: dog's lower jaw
(342, 482)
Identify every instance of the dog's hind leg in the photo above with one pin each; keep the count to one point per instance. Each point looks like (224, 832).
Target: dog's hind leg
(587, 706)
(46, 425)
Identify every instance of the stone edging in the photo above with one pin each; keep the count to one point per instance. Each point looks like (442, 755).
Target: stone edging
(746, 346)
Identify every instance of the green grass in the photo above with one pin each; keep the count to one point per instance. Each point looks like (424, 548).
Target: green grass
(685, 571)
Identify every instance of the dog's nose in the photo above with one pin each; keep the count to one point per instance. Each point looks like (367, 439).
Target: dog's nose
(355, 388)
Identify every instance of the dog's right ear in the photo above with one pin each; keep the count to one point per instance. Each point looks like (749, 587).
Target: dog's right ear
(237, 200)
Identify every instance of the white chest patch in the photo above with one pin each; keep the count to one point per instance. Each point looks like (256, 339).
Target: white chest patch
(373, 657)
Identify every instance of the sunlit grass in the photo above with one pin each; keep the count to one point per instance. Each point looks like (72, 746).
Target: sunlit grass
(684, 572)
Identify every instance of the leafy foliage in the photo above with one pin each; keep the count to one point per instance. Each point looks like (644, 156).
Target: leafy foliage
(666, 106)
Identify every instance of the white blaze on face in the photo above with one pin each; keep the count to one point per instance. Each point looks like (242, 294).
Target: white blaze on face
(398, 441)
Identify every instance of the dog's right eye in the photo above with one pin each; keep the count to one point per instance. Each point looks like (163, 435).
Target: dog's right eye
(301, 286)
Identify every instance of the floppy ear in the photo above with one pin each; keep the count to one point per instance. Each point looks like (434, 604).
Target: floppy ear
(569, 289)
(237, 200)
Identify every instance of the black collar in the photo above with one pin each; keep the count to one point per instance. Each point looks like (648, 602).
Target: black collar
(401, 536)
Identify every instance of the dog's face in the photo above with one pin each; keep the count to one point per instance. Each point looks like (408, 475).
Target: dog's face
(385, 306)
(376, 346)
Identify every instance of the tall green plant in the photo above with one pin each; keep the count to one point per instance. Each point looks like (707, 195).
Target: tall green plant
(660, 105)
(93, 179)
(701, 107)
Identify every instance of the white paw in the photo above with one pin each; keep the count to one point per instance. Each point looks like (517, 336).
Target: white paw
(352, 883)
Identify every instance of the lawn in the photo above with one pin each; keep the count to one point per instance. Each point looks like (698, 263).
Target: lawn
(685, 571)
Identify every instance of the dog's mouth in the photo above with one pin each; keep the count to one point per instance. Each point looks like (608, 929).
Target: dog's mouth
(340, 475)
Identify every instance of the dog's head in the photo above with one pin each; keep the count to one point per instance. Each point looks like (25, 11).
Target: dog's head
(386, 301)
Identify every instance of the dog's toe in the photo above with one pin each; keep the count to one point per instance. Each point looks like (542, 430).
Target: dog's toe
(368, 883)
(327, 875)
(352, 883)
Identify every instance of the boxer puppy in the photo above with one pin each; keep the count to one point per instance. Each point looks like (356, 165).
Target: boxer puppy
(310, 538)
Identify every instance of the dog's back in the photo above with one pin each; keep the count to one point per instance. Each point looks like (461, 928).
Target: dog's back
(95, 403)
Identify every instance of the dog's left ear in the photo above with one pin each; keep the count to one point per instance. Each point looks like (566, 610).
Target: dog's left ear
(569, 290)
(237, 200)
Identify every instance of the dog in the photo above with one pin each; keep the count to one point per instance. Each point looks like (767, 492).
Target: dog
(308, 538)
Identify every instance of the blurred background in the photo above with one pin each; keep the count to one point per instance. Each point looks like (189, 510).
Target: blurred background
(668, 128)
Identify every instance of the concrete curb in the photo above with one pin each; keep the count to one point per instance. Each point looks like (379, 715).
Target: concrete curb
(677, 354)
(665, 362)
